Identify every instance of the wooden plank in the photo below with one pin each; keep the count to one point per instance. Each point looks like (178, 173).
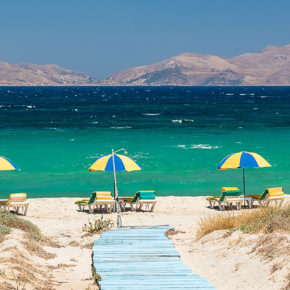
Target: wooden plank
(142, 258)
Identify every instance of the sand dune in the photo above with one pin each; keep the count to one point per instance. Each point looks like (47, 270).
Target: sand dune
(227, 261)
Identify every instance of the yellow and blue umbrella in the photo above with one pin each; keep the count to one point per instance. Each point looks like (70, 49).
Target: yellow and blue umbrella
(122, 163)
(115, 162)
(243, 160)
(6, 164)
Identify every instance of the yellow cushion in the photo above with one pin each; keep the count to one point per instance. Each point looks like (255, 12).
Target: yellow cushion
(229, 188)
(217, 198)
(275, 191)
(82, 201)
(281, 193)
(103, 195)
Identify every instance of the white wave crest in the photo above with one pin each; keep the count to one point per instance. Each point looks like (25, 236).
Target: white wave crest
(119, 128)
(203, 146)
(151, 114)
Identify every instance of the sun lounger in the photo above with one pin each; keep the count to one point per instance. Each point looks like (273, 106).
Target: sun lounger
(16, 201)
(104, 200)
(97, 200)
(229, 196)
(270, 195)
(144, 198)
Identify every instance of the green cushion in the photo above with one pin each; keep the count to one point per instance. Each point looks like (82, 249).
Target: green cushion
(144, 195)
(233, 193)
(91, 200)
(230, 193)
(147, 194)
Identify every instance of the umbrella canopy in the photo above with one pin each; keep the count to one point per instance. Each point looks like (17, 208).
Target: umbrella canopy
(6, 164)
(243, 160)
(122, 163)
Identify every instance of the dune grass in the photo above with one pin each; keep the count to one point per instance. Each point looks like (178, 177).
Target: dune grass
(9, 221)
(3, 232)
(265, 220)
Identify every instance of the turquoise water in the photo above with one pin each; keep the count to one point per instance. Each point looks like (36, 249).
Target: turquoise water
(178, 135)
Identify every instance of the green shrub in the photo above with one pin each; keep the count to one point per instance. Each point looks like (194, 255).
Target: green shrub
(98, 225)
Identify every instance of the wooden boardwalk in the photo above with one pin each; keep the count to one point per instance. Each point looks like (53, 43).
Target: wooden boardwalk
(142, 258)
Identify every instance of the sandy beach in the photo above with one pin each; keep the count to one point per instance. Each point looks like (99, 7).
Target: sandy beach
(67, 264)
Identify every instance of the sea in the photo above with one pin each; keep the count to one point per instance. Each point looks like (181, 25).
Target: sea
(177, 134)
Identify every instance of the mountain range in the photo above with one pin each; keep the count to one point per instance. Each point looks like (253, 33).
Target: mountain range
(270, 67)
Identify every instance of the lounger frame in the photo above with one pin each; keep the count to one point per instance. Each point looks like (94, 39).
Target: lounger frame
(16, 201)
(228, 201)
(98, 204)
(270, 196)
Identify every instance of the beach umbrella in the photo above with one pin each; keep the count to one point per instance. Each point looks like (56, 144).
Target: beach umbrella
(6, 164)
(243, 160)
(113, 163)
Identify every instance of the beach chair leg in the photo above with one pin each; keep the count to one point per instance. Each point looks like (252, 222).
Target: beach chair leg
(25, 209)
(211, 204)
(153, 205)
(90, 208)
(239, 205)
(250, 203)
(221, 207)
(281, 202)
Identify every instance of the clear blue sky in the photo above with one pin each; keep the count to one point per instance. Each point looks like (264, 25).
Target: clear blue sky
(99, 37)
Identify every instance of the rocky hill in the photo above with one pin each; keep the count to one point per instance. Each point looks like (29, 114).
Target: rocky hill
(271, 66)
(40, 75)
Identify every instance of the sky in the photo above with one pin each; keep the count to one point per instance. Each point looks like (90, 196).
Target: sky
(99, 37)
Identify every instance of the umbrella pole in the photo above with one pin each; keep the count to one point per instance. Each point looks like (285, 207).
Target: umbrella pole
(115, 177)
(117, 206)
(244, 182)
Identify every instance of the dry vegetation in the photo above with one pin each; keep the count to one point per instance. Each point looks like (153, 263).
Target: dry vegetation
(9, 221)
(266, 220)
(19, 271)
